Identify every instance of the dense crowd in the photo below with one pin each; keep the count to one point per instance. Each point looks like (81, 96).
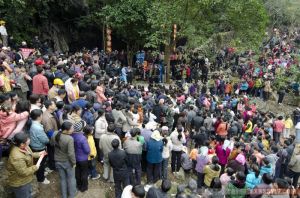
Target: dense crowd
(72, 113)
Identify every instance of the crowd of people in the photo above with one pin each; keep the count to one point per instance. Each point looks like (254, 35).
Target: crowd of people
(74, 113)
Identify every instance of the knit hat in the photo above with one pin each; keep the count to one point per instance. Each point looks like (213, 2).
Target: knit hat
(241, 159)
(156, 135)
(78, 126)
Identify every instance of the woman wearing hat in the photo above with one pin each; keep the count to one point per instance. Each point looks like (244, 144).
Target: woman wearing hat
(20, 166)
(82, 151)
(154, 157)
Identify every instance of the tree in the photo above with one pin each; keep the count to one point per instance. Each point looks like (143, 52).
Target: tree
(204, 19)
(128, 20)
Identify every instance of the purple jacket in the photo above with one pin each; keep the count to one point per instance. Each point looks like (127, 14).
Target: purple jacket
(82, 148)
(201, 162)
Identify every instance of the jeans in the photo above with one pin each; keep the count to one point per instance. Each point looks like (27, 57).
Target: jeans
(92, 169)
(40, 174)
(175, 161)
(67, 179)
(276, 137)
(200, 179)
(81, 174)
(164, 168)
(153, 172)
(297, 135)
(121, 180)
(23, 191)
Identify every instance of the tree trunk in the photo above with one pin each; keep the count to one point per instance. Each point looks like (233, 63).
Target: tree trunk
(167, 62)
(129, 55)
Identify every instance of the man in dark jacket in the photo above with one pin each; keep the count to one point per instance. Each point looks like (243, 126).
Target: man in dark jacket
(154, 192)
(197, 121)
(118, 161)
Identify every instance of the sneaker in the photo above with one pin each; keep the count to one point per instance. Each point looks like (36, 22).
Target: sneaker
(46, 181)
(48, 170)
(97, 177)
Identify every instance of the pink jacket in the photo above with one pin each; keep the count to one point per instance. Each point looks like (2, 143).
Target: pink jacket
(100, 94)
(222, 154)
(9, 122)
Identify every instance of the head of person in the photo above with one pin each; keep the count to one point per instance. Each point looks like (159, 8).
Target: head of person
(240, 176)
(36, 115)
(34, 99)
(166, 185)
(88, 130)
(76, 110)
(281, 183)
(21, 140)
(267, 178)
(14, 97)
(115, 143)
(62, 93)
(111, 128)
(50, 105)
(138, 191)
(216, 183)
(60, 105)
(22, 105)
(58, 82)
(40, 70)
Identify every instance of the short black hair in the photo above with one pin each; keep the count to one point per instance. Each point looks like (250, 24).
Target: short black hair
(115, 143)
(48, 103)
(39, 70)
(139, 191)
(267, 178)
(111, 127)
(166, 185)
(61, 92)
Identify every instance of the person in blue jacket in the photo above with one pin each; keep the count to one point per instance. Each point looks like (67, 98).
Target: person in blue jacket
(82, 151)
(266, 167)
(38, 141)
(253, 178)
(154, 157)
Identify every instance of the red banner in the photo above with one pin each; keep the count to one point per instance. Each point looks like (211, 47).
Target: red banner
(26, 52)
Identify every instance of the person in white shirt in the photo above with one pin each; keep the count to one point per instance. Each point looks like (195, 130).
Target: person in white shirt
(166, 151)
(3, 33)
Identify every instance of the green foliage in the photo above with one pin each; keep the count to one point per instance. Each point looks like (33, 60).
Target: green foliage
(127, 19)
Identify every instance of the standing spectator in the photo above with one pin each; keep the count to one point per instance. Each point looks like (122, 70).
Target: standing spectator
(294, 166)
(118, 160)
(40, 83)
(223, 153)
(106, 147)
(65, 160)
(3, 33)
(288, 124)
(88, 132)
(166, 152)
(82, 151)
(178, 139)
(20, 166)
(100, 129)
(278, 126)
(49, 122)
(38, 141)
(100, 90)
(57, 84)
(9, 119)
(202, 161)
(211, 171)
(21, 78)
(133, 149)
(237, 188)
(154, 157)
